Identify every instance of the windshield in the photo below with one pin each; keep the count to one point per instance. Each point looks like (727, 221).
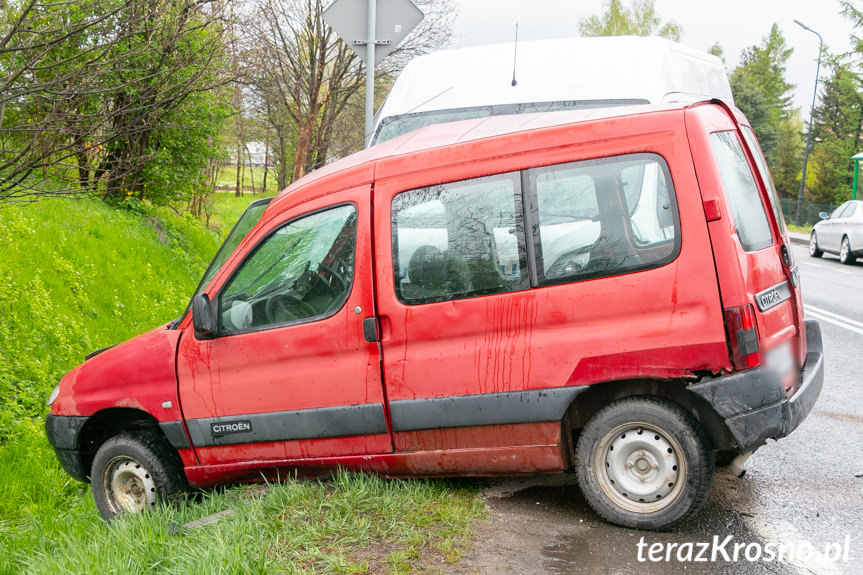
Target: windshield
(244, 225)
(394, 126)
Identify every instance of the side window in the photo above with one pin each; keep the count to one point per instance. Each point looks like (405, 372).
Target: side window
(302, 271)
(459, 240)
(852, 207)
(752, 142)
(747, 209)
(603, 217)
(837, 213)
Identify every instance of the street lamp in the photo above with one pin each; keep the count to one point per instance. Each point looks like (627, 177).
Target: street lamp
(811, 117)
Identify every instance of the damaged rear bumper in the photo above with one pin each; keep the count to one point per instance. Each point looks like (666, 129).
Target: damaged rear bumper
(755, 406)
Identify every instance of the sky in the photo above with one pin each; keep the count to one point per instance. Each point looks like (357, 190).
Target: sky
(734, 24)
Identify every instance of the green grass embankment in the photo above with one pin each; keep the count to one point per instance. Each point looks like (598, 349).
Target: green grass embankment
(76, 276)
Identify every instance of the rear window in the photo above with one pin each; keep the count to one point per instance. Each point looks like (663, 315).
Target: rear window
(747, 209)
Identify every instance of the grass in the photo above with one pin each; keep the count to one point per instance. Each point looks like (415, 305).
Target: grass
(228, 208)
(806, 229)
(226, 178)
(76, 276)
(350, 524)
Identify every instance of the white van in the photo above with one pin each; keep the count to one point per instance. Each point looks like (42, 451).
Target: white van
(548, 75)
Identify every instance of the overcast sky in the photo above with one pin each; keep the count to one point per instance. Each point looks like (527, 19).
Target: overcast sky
(735, 24)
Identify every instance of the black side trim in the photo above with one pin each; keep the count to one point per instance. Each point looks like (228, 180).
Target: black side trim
(533, 406)
(341, 421)
(175, 434)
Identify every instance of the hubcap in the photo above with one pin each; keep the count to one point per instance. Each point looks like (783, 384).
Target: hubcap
(813, 244)
(128, 486)
(845, 250)
(640, 468)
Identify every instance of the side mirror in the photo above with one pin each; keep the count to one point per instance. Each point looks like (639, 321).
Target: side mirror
(824, 215)
(203, 318)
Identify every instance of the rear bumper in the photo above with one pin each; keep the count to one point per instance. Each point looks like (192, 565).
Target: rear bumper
(754, 405)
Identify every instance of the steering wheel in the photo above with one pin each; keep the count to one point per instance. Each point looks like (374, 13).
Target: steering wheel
(568, 263)
(283, 307)
(334, 277)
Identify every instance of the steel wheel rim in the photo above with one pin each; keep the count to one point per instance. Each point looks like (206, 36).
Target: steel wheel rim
(128, 486)
(640, 467)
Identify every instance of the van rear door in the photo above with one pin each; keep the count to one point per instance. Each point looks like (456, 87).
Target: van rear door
(757, 280)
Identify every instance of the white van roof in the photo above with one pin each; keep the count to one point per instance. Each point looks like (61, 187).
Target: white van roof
(596, 71)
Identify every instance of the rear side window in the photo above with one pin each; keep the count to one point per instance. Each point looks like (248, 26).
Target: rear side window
(747, 209)
(752, 142)
(837, 213)
(459, 240)
(602, 217)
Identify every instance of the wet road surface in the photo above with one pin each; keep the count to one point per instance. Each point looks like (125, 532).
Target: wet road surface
(800, 496)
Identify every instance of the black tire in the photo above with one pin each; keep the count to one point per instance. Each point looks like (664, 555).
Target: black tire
(813, 246)
(664, 471)
(134, 472)
(845, 255)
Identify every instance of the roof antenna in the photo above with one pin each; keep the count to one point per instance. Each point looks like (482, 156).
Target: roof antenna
(515, 55)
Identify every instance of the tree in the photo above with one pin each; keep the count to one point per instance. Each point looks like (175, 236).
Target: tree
(718, 51)
(639, 20)
(96, 94)
(764, 95)
(838, 119)
(306, 79)
(838, 129)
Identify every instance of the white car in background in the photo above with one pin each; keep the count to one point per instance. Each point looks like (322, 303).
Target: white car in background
(839, 233)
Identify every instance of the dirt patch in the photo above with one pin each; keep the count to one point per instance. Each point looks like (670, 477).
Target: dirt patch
(541, 526)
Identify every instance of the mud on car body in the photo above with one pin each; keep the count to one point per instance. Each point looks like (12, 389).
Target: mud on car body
(606, 291)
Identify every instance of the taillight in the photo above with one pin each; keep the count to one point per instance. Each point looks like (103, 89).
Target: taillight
(742, 336)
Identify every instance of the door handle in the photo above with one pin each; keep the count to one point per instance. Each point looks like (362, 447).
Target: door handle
(371, 332)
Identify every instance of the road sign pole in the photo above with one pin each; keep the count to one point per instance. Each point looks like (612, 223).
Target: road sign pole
(370, 70)
(382, 31)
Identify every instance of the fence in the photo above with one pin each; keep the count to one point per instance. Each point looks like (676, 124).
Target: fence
(808, 213)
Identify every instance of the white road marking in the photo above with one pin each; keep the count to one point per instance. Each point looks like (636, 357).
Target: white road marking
(832, 268)
(835, 319)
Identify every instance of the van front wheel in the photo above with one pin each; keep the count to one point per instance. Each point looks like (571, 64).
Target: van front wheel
(134, 472)
(644, 462)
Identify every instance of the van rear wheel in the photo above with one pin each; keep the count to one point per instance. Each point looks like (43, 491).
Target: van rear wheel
(644, 462)
(134, 472)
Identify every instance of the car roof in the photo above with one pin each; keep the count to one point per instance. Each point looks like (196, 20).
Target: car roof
(360, 166)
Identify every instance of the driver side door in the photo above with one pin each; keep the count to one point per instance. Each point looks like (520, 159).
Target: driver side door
(289, 375)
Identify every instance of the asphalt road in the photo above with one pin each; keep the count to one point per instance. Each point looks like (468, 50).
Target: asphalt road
(799, 493)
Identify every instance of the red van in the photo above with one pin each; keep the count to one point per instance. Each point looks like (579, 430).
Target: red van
(608, 291)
